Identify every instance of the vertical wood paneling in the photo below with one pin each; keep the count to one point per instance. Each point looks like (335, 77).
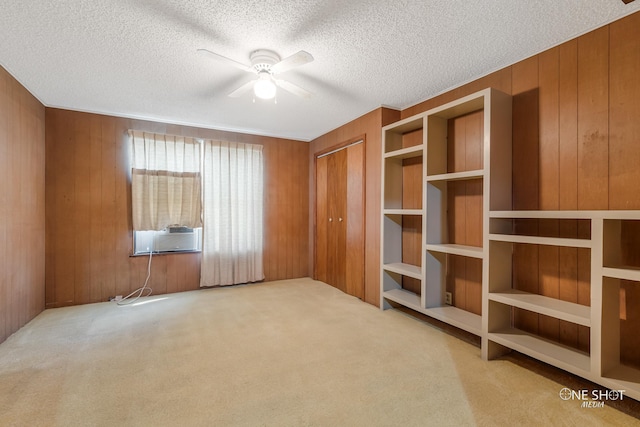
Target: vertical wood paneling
(457, 280)
(464, 209)
(22, 212)
(370, 127)
(464, 277)
(355, 220)
(473, 212)
(89, 238)
(50, 203)
(624, 113)
(304, 268)
(549, 174)
(526, 135)
(526, 179)
(568, 179)
(593, 142)
(624, 158)
(13, 191)
(593, 120)
(5, 176)
(60, 165)
(411, 139)
(159, 275)
(568, 125)
(95, 210)
(549, 170)
(282, 199)
(412, 183)
(81, 212)
(474, 139)
(412, 249)
(473, 276)
(122, 220)
(108, 207)
(412, 199)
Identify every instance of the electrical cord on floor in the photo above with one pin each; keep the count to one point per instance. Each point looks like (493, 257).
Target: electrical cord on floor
(140, 291)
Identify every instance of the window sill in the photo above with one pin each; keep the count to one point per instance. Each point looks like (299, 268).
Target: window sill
(146, 254)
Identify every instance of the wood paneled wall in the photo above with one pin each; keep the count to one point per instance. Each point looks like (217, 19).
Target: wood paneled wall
(88, 228)
(22, 210)
(576, 145)
(367, 126)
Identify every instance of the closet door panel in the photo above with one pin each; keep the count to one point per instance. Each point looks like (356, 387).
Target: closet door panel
(355, 221)
(337, 236)
(322, 220)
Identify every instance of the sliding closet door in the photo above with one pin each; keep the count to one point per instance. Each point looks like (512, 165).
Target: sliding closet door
(355, 221)
(322, 220)
(340, 219)
(336, 227)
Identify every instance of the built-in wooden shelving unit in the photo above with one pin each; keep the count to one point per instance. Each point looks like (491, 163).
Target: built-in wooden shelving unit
(425, 140)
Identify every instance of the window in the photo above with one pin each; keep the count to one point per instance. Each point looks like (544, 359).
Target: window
(169, 206)
(165, 193)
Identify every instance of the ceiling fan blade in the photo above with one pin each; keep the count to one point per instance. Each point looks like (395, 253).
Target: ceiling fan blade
(292, 61)
(242, 89)
(229, 61)
(294, 89)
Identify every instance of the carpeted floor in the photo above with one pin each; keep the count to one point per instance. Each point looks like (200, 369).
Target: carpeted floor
(286, 353)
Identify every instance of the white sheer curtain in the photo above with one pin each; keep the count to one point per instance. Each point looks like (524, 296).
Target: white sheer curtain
(233, 219)
(165, 181)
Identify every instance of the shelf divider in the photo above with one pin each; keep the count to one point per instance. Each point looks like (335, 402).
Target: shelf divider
(402, 212)
(405, 153)
(454, 249)
(457, 317)
(404, 269)
(624, 273)
(456, 176)
(571, 312)
(555, 354)
(404, 297)
(536, 240)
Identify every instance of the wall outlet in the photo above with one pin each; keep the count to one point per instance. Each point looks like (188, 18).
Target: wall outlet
(448, 298)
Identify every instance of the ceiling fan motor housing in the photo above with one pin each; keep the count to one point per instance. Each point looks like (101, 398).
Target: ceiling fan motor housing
(262, 60)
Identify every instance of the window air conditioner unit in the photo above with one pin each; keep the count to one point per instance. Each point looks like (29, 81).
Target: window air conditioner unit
(171, 239)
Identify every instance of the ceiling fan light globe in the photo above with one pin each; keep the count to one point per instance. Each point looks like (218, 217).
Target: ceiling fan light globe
(264, 89)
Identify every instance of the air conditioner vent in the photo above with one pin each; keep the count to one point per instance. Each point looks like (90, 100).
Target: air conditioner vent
(180, 229)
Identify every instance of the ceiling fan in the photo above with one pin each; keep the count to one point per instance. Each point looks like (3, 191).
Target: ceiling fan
(266, 64)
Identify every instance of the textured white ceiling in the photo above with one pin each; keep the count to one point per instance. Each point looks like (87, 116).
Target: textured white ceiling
(137, 58)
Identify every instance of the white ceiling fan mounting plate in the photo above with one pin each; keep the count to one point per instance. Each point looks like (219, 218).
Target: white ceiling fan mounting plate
(263, 59)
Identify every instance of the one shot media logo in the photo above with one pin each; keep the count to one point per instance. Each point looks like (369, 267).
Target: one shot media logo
(591, 398)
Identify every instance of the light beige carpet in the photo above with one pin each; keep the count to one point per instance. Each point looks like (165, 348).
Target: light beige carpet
(287, 353)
